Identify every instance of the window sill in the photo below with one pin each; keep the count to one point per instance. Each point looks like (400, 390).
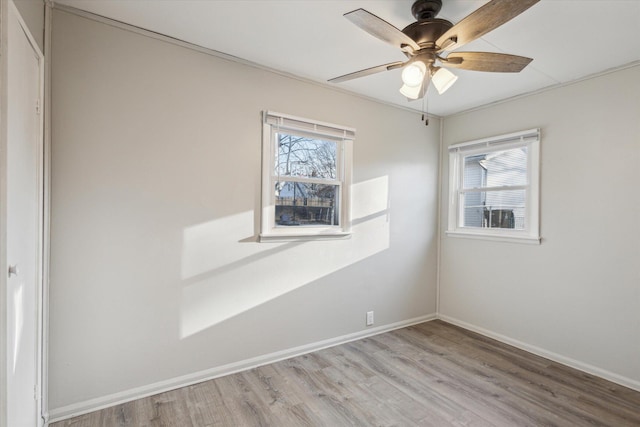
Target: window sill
(303, 237)
(495, 237)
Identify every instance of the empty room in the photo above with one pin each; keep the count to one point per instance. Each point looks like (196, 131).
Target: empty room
(319, 213)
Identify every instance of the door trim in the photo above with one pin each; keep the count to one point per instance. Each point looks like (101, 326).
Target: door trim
(46, 211)
(4, 21)
(43, 213)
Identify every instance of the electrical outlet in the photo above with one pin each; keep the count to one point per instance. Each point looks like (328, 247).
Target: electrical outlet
(369, 318)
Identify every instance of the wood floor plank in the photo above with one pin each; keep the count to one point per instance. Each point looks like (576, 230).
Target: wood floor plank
(530, 378)
(431, 374)
(242, 403)
(517, 378)
(283, 405)
(449, 389)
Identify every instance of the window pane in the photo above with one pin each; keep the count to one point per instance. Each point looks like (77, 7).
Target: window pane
(305, 157)
(496, 168)
(494, 209)
(300, 204)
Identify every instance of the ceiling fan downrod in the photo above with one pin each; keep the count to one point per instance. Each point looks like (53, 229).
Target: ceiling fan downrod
(425, 9)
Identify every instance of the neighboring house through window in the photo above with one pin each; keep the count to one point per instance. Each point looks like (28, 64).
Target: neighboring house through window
(306, 178)
(494, 187)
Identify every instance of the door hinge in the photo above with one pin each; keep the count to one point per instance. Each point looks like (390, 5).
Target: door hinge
(37, 106)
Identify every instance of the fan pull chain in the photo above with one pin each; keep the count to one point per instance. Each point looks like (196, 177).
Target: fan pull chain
(425, 112)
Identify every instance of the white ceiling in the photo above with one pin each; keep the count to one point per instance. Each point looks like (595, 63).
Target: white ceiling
(568, 39)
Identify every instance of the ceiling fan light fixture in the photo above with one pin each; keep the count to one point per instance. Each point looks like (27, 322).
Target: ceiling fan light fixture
(442, 79)
(411, 92)
(416, 92)
(413, 74)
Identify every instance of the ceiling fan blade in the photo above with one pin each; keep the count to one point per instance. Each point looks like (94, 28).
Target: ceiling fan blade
(486, 18)
(486, 61)
(367, 71)
(381, 29)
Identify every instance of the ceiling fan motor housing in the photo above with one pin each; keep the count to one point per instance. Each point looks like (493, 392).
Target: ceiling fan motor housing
(426, 32)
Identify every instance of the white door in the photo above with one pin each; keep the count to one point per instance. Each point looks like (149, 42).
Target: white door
(24, 219)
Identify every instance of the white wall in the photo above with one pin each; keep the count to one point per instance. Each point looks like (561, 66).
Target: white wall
(32, 12)
(155, 269)
(576, 297)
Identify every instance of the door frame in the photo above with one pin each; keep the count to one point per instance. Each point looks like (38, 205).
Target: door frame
(43, 216)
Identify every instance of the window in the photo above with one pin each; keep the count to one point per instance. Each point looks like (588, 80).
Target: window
(493, 186)
(306, 178)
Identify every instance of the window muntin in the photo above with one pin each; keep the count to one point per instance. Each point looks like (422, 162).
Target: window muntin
(306, 178)
(494, 187)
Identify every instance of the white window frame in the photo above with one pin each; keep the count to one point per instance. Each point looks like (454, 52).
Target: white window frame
(343, 136)
(457, 152)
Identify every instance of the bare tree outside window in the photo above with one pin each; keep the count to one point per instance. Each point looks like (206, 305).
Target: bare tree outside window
(301, 164)
(304, 157)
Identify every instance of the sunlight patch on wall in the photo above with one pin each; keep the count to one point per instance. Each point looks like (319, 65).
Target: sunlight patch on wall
(18, 323)
(272, 270)
(208, 246)
(369, 197)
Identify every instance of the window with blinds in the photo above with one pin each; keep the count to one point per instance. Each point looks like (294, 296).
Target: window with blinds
(494, 187)
(305, 179)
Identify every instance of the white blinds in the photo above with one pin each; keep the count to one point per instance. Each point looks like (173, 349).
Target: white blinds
(511, 138)
(284, 121)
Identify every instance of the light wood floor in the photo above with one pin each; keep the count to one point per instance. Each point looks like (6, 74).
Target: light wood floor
(432, 374)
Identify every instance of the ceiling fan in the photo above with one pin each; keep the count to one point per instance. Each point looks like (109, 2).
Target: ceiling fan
(427, 43)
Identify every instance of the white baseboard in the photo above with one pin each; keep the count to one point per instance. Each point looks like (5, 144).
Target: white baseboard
(65, 412)
(576, 364)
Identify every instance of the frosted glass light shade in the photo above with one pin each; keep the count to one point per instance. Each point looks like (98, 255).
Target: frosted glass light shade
(411, 92)
(443, 79)
(413, 74)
